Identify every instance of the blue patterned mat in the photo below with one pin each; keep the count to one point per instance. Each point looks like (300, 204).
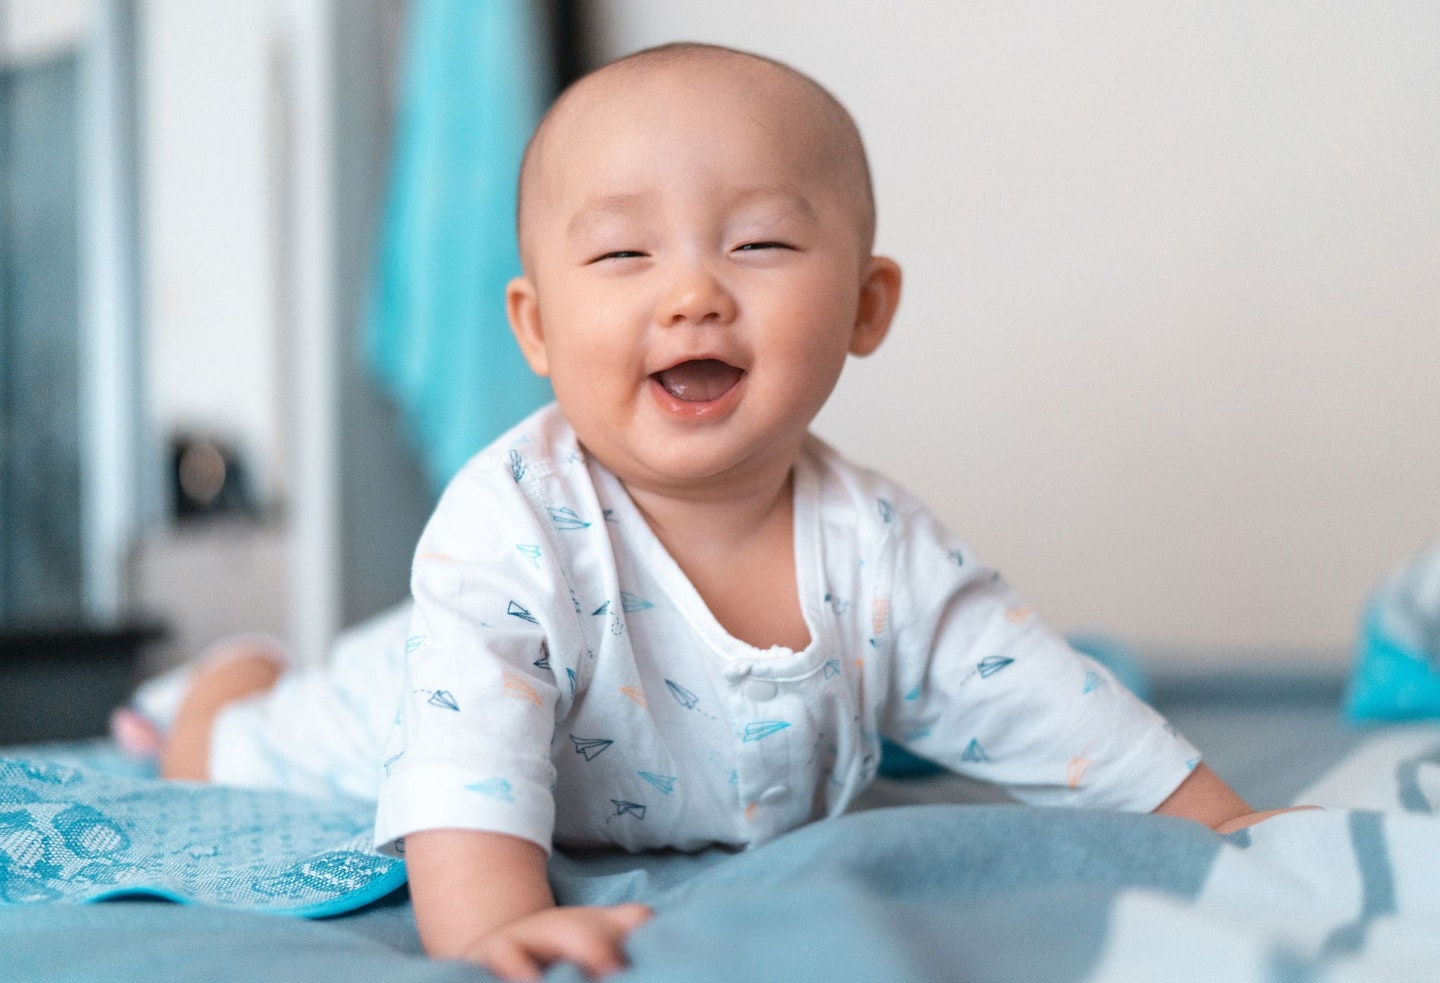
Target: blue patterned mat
(71, 834)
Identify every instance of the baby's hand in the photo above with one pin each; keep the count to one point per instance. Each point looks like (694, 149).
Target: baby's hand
(592, 938)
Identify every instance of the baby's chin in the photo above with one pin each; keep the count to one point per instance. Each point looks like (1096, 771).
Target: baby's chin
(671, 471)
(699, 470)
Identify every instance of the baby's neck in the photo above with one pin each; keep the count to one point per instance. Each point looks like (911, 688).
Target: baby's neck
(682, 520)
(739, 553)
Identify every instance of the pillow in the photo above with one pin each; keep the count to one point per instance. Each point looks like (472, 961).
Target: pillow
(1396, 675)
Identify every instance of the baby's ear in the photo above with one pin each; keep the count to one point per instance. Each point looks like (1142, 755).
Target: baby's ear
(879, 296)
(522, 305)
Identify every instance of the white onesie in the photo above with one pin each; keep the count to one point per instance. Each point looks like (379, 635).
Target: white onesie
(563, 679)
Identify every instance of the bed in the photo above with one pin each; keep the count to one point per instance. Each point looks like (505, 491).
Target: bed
(932, 880)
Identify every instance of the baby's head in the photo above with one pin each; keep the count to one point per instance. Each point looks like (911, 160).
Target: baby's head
(815, 120)
(696, 227)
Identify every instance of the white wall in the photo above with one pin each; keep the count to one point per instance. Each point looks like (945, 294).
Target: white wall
(234, 314)
(31, 30)
(211, 240)
(1169, 352)
(261, 162)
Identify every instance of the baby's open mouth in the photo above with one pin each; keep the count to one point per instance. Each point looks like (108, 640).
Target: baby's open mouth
(699, 380)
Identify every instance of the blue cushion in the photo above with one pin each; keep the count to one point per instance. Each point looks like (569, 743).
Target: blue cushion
(1390, 680)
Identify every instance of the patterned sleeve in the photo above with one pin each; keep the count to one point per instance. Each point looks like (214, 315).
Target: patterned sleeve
(982, 687)
(471, 746)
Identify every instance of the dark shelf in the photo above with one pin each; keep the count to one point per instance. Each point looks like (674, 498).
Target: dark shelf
(60, 682)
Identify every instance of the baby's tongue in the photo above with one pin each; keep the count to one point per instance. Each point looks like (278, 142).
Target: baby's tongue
(699, 381)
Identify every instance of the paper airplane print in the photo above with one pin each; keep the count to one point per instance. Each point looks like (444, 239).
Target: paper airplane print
(992, 664)
(665, 783)
(565, 519)
(443, 699)
(518, 610)
(624, 808)
(590, 747)
(974, 752)
(758, 730)
(683, 696)
(531, 552)
(887, 511)
(519, 688)
(879, 615)
(631, 603)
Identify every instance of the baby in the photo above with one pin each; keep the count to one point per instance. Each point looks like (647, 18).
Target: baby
(661, 613)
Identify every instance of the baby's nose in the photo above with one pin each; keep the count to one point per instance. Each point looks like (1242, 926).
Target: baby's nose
(696, 294)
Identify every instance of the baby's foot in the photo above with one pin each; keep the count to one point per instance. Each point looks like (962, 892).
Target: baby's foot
(140, 727)
(135, 735)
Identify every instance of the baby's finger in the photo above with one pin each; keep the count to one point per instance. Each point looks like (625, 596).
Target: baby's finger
(607, 948)
(509, 960)
(591, 946)
(628, 917)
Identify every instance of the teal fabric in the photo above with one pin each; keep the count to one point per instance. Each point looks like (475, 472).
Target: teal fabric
(1396, 674)
(1390, 681)
(476, 80)
(74, 835)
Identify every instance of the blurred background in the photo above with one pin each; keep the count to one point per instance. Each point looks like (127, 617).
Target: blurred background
(1168, 353)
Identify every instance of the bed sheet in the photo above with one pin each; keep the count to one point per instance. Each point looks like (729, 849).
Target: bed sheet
(916, 887)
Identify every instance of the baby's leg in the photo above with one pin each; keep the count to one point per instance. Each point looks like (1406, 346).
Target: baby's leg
(231, 674)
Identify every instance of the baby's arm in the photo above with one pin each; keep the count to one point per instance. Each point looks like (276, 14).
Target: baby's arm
(1205, 798)
(484, 898)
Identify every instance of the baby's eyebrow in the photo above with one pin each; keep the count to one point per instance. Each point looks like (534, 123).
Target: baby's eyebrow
(778, 200)
(783, 198)
(604, 206)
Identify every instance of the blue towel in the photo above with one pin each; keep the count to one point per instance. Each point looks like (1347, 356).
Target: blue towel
(476, 80)
(76, 835)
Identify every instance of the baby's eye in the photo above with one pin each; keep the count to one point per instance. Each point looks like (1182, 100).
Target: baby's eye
(618, 254)
(752, 246)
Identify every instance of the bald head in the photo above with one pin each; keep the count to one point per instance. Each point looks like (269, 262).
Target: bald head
(814, 121)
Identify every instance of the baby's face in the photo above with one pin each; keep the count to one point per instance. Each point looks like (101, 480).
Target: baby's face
(695, 276)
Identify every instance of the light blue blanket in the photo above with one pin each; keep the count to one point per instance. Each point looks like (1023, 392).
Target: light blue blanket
(917, 892)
